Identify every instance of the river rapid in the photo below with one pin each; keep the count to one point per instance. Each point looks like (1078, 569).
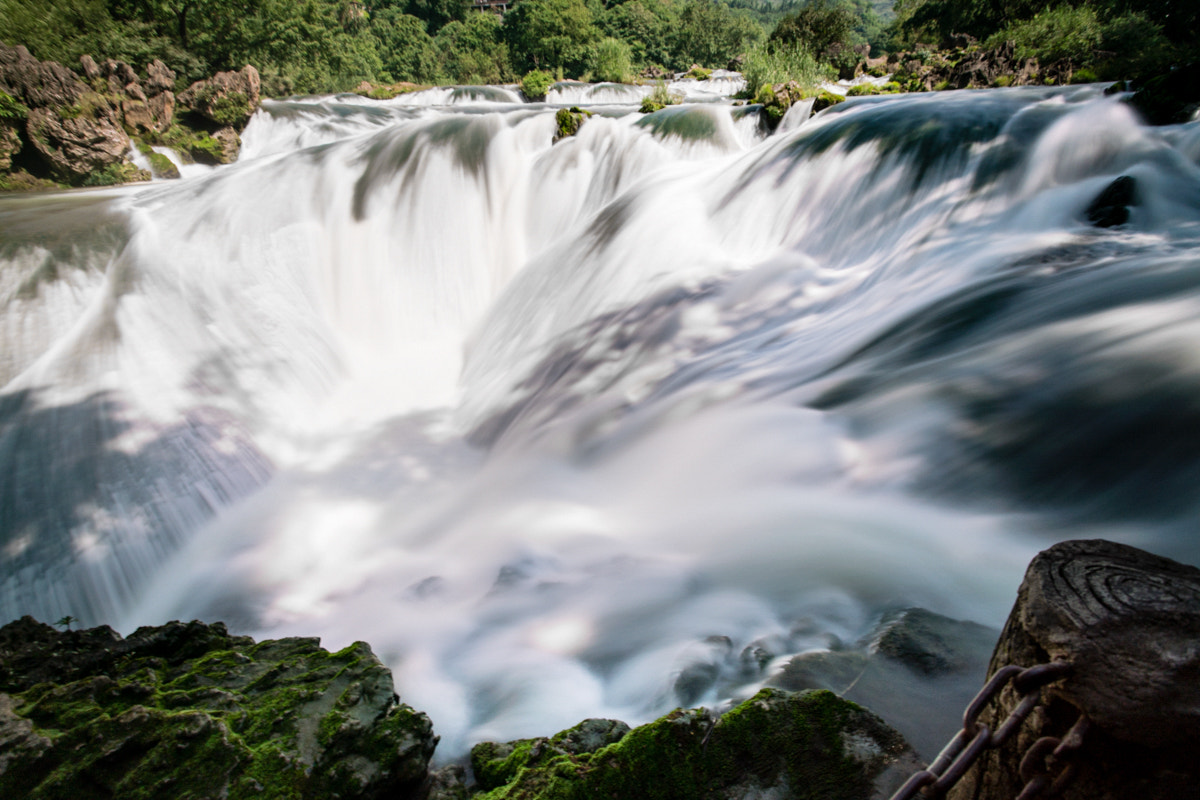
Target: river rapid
(548, 424)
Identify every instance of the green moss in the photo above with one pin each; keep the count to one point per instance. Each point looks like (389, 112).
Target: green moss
(699, 73)
(1002, 81)
(230, 109)
(941, 86)
(115, 174)
(568, 120)
(10, 108)
(826, 100)
(774, 738)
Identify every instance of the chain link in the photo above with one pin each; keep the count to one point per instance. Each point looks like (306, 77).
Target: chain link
(974, 737)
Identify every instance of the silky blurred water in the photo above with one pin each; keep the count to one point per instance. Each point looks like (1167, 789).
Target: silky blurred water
(543, 423)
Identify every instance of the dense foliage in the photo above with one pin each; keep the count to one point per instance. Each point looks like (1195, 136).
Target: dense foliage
(309, 46)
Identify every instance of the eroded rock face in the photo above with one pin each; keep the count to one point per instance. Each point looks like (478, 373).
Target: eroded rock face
(777, 744)
(37, 83)
(228, 98)
(10, 143)
(80, 142)
(190, 711)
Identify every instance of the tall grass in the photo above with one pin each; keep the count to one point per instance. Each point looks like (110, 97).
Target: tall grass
(766, 66)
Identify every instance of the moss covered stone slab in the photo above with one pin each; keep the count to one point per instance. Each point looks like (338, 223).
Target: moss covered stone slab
(777, 744)
(189, 711)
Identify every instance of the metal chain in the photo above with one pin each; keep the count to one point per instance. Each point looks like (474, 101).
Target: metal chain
(969, 743)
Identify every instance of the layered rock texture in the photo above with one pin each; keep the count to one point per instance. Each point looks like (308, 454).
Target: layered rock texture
(189, 711)
(59, 127)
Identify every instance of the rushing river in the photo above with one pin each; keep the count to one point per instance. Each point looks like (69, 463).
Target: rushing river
(539, 421)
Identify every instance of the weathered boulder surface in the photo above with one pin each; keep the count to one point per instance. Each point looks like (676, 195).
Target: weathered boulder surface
(37, 83)
(78, 141)
(228, 98)
(916, 669)
(1129, 624)
(189, 711)
(776, 745)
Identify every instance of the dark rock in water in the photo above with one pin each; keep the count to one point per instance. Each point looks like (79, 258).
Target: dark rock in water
(1170, 99)
(188, 711)
(1128, 622)
(917, 670)
(1111, 207)
(448, 783)
(929, 643)
(777, 745)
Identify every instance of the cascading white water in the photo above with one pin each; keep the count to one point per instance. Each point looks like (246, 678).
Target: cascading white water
(539, 421)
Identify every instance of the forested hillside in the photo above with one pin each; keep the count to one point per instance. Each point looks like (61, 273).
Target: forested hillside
(308, 46)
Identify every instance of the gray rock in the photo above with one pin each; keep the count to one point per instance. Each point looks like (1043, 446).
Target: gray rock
(74, 147)
(916, 669)
(160, 78)
(37, 83)
(228, 98)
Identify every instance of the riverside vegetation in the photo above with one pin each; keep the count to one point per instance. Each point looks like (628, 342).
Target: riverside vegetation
(383, 47)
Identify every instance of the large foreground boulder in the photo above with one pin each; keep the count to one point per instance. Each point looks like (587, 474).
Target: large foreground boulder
(777, 745)
(188, 711)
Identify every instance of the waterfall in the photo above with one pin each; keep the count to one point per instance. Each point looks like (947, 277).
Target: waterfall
(550, 423)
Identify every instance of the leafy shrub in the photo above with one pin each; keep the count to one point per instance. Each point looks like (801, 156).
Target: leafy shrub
(10, 108)
(767, 66)
(535, 84)
(611, 62)
(1054, 34)
(660, 97)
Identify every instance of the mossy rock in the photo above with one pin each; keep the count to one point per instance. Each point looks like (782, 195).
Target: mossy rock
(699, 73)
(162, 166)
(568, 120)
(11, 109)
(116, 174)
(188, 711)
(649, 106)
(779, 744)
(825, 100)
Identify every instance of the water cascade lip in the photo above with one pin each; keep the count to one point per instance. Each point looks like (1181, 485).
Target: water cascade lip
(566, 430)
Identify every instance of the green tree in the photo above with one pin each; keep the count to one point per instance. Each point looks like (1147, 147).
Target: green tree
(406, 51)
(474, 51)
(550, 34)
(820, 26)
(647, 26)
(611, 61)
(712, 35)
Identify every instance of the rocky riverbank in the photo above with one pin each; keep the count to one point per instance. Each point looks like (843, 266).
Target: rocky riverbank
(190, 711)
(59, 128)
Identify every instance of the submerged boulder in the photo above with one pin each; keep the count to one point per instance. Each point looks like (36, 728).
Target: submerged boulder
(916, 669)
(777, 744)
(187, 710)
